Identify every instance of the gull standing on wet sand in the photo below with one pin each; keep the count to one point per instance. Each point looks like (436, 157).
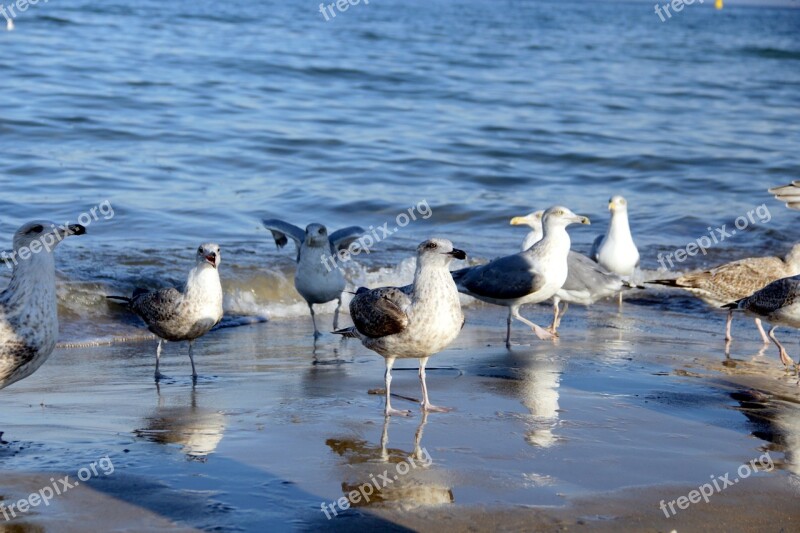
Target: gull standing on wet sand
(616, 251)
(587, 281)
(28, 307)
(736, 280)
(531, 276)
(317, 279)
(177, 316)
(779, 304)
(416, 321)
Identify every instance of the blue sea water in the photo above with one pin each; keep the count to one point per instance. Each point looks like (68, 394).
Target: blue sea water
(195, 119)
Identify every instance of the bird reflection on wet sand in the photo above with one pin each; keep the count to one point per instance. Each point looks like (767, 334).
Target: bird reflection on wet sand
(367, 464)
(197, 430)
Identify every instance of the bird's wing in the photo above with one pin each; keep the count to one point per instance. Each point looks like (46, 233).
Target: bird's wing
(773, 297)
(380, 312)
(598, 242)
(281, 230)
(156, 306)
(341, 239)
(586, 274)
(509, 277)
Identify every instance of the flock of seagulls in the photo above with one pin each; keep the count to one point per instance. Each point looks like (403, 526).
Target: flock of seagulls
(416, 321)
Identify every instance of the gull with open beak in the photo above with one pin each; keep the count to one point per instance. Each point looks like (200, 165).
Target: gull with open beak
(530, 276)
(182, 314)
(28, 307)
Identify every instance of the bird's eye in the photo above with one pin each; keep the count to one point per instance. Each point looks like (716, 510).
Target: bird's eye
(431, 245)
(200, 250)
(35, 229)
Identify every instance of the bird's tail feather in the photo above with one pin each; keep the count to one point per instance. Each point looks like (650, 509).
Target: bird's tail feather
(665, 282)
(120, 298)
(631, 285)
(346, 332)
(732, 305)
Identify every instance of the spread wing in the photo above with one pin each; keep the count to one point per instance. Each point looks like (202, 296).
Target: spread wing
(380, 312)
(341, 239)
(156, 306)
(773, 297)
(281, 230)
(510, 277)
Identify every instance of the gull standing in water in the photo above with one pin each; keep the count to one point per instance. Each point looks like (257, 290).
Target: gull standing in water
(733, 281)
(175, 315)
(416, 321)
(28, 307)
(587, 281)
(779, 304)
(616, 251)
(531, 276)
(317, 279)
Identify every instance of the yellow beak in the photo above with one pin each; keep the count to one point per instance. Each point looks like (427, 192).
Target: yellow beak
(519, 221)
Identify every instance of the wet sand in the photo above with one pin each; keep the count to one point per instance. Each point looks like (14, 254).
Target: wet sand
(625, 410)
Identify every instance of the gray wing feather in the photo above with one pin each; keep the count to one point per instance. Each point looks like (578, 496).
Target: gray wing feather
(504, 278)
(281, 229)
(596, 247)
(773, 297)
(341, 239)
(380, 312)
(156, 306)
(585, 274)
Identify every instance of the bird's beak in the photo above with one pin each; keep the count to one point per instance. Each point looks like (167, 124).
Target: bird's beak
(519, 221)
(458, 254)
(74, 229)
(581, 220)
(212, 259)
(612, 206)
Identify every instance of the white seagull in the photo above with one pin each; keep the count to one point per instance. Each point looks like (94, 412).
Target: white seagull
(28, 308)
(616, 250)
(531, 276)
(416, 321)
(182, 315)
(318, 278)
(587, 281)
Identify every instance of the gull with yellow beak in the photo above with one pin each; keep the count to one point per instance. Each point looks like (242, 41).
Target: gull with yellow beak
(616, 250)
(528, 277)
(587, 281)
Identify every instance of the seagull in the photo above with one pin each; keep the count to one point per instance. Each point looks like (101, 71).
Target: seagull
(531, 276)
(616, 251)
(415, 321)
(318, 279)
(28, 308)
(182, 315)
(733, 281)
(789, 194)
(779, 304)
(587, 281)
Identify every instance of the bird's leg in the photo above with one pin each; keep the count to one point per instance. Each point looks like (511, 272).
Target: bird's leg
(540, 332)
(387, 378)
(159, 375)
(336, 313)
(764, 337)
(317, 334)
(426, 404)
(508, 330)
(785, 359)
(728, 337)
(554, 326)
(191, 358)
(561, 314)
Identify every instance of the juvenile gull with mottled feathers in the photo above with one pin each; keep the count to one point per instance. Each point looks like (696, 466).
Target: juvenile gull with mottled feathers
(416, 321)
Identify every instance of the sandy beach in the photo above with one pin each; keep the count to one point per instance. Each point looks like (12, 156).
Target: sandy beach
(593, 431)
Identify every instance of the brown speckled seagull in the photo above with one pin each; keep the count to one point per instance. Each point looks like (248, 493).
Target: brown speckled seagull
(416, 321)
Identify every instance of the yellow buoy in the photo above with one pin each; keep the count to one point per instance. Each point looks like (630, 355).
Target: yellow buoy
(718, 4)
